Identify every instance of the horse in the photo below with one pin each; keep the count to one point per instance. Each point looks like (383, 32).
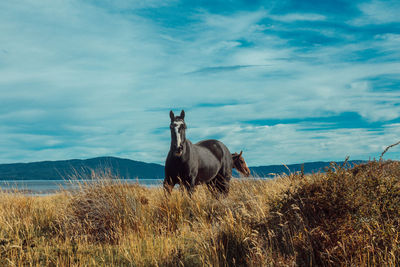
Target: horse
(240, 164)
(206, 162)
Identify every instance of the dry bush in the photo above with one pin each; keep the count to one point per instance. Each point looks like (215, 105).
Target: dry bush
(103, 211)
(348, 217)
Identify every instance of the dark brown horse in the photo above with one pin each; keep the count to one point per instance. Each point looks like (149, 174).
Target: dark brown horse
(206, 162)
(240, 164)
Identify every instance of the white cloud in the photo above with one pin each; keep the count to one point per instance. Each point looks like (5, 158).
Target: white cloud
(287, 143)
(378, 12)
(123, 5)
(292, 17)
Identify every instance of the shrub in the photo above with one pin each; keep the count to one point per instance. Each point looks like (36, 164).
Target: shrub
(104, 211)
(344, 217)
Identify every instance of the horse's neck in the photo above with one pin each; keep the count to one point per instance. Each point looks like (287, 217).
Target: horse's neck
(186, 151)
(187, 145)
(187, 142)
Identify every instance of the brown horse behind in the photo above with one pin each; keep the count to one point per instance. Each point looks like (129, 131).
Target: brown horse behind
(240, 164)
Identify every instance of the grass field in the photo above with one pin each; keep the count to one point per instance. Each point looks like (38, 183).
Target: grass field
(342, 217)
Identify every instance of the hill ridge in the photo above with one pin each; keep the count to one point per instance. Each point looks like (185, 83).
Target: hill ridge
(125, 169)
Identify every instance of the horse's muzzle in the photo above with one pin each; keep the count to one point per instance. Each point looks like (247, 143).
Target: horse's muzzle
(179, 151)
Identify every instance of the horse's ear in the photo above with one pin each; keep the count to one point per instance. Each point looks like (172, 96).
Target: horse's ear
(182, 114)
(241, 152)
(171, 115)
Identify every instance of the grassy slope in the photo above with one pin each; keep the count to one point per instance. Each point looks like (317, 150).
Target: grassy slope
(348, 217)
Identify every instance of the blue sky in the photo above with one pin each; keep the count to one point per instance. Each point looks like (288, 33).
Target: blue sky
(284, 81)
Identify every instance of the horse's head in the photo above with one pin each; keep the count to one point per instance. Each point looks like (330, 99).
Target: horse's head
(239, 164)
(178, 136)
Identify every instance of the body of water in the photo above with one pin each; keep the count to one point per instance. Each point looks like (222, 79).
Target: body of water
(51, 186)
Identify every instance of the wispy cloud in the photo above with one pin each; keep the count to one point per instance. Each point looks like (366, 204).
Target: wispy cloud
(378, 12)
(293, 17)
(223, 68)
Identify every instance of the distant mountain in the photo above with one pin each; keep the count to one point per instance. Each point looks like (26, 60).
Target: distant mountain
(124, 168)
(65, 169)
(309, 167)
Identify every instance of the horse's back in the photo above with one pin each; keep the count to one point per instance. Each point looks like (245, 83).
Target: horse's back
(215, 146)
(219, 150)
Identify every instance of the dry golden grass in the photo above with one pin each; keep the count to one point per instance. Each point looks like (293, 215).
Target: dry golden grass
(343, 217)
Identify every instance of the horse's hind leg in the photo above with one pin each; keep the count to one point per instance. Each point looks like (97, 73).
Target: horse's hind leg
(219, 184)
(222, 185)
(211, 185)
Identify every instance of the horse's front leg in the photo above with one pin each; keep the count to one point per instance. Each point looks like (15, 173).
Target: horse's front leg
(168, 184)
(189, 184)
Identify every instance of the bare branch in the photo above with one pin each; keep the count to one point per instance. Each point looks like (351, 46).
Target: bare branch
(395, 144)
